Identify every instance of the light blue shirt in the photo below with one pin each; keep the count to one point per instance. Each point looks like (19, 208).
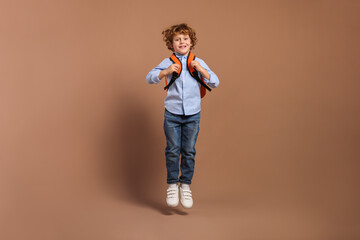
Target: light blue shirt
(183, 96)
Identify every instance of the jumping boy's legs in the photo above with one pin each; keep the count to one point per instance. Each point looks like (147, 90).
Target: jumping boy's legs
(181, 134)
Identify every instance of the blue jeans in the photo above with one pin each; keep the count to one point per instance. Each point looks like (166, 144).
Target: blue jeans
(181, 133)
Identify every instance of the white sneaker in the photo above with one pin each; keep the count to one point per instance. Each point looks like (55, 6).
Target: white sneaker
(186, 198)
(172, 198)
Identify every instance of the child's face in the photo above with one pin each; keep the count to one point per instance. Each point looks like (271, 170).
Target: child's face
(181, 44)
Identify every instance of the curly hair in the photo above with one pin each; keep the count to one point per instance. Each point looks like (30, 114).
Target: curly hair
(183, 28)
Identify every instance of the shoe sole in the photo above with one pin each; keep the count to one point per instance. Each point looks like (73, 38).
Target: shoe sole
(172, 205)
(187, 207)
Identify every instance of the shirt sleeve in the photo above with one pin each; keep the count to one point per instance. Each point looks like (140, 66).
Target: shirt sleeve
(214, 80)
(153, 75)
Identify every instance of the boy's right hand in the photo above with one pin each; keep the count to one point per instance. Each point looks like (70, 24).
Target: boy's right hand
(172, 68)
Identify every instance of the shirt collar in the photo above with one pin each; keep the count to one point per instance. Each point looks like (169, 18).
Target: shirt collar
(181, 56)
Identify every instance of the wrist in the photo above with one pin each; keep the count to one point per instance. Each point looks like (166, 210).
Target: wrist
(204, 73)
(162, 74)
(201, 70)
(166, 71)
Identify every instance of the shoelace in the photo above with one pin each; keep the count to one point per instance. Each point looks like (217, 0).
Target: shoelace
(171, 192)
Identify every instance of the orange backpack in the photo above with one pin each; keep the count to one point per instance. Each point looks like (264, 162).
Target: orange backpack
(192, 72)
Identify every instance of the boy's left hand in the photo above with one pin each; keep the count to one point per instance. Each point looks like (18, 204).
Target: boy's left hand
(195, 64)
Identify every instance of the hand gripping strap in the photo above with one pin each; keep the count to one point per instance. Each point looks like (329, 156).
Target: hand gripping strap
(195, 74)
(175, 75)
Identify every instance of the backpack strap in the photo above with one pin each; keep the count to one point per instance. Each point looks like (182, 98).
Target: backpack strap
(175, 75)
(195, 74)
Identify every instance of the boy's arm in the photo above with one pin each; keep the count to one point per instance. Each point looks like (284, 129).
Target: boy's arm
(210, 77)
(156, 74)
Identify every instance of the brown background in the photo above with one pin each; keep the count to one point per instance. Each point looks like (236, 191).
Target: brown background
(82, 144)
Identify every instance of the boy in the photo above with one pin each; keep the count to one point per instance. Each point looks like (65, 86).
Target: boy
(182, 108)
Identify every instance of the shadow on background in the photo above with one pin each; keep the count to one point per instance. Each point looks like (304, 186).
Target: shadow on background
(137, 167)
